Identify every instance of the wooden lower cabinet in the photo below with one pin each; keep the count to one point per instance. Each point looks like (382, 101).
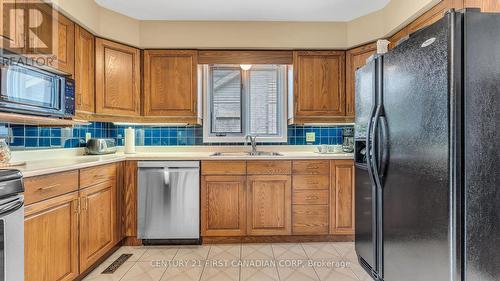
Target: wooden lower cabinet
(269, 205)
(342, 197)
(51, 239)
(223, 206)
(310, 220)
(97, 222)
(256, 200)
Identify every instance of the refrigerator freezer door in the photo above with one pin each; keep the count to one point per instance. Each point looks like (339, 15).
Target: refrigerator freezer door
(482, 146)
(416, 191)
(365, 98)
(365, 235)
(365, 221)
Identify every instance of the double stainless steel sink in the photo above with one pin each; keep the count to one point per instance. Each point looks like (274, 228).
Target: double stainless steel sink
(244, 154)
(254, 151)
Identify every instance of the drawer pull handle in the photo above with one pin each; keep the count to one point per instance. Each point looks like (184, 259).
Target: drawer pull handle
(312, 197)
(48, 187)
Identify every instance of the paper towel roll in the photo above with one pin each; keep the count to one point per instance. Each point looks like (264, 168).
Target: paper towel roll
(129, 140)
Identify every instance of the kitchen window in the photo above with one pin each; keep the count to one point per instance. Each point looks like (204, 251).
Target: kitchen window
(243, 100)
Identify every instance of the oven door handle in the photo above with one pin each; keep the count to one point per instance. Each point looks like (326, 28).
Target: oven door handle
(11, 206)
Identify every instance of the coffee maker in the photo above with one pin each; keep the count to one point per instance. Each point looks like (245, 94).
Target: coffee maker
(348, 140)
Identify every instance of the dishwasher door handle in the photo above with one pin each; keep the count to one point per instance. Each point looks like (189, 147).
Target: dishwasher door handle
(168, 170)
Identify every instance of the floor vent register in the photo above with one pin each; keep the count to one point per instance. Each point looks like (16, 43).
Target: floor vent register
(116, 264)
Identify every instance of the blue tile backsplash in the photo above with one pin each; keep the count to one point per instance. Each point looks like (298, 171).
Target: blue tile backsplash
(25, 137)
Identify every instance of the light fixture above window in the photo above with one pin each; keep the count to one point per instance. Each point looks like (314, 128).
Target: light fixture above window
(245, 66)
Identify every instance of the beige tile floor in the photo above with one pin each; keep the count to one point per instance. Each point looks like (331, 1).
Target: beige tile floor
(237, 262)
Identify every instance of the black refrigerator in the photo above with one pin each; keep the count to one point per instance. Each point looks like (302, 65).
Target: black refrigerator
(427, 154)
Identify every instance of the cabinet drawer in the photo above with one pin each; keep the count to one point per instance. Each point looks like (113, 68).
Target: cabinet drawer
(311, 167)
(48, 186)
(311, 182)
(223, 167)
(94, 175)
(269, 167)
(310, 220)
(314, 197)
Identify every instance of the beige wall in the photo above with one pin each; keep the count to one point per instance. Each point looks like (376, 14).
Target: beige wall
(238, 35)
(100, 21)
(266, 35)
(387, 21)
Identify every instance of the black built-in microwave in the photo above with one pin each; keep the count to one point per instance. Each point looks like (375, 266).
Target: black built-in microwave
(31, 90)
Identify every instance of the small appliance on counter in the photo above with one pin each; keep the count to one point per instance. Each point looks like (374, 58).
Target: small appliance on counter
(11, 225)
(100, 146)
(348, 140)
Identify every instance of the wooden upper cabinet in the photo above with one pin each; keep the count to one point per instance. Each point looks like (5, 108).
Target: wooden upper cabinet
(431, 16)
(434, 14)
(342, 197)
(12, 27)
(46, 32)
(223, 206)
(355, 58)
(65, 51)
(170, 83)
(117, 74)
(397, 37)
(51, 239)
(319, 94)
(484, 5)
(269, 205)
(84, 70)
(97, 222)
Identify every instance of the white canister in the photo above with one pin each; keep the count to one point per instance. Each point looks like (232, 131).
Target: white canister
(129, 140)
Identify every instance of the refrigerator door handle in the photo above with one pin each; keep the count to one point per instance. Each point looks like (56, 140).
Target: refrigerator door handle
(369, 152)
(385, 146)
(374, 159)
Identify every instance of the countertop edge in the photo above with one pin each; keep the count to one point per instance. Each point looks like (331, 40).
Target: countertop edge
(27, 172)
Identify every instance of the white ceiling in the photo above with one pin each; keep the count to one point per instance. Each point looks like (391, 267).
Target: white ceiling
(240, 10)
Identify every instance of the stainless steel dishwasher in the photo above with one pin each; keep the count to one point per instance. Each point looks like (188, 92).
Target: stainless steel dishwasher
(168, 202)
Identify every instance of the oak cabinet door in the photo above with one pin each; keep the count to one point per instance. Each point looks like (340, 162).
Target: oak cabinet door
(269, 205)
(12, 27)
(51, 239)
(47, 33)
(84, 70)
(97, 222)
(319, 85)
(223, 206)
(355, 58)
(170, 83)
(342, 197)
(117, 85)
(488, 6)
(434, 14)
(65, 42)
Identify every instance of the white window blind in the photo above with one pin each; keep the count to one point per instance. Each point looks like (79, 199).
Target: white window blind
(245, 102)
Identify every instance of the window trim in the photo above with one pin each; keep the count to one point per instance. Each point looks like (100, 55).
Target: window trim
(209, 137)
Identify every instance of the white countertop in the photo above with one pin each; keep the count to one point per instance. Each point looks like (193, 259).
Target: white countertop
(42, 162)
